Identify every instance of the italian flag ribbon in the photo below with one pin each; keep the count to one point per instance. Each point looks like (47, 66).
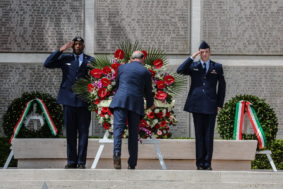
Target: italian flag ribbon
(241, 106)
(45, 112)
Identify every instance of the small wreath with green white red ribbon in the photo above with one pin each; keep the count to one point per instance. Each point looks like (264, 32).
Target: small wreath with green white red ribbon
(30, 110)
(265, 114)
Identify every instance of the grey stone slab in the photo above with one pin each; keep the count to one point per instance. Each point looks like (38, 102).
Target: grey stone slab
(138, 179)
(163, 24)
(178, 154)
(39, 25)
(243, 27)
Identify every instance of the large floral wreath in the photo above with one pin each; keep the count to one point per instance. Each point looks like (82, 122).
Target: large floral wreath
(99, 88)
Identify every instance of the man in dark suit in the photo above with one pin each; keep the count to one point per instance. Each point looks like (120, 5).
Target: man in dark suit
(134, 83)
(204, 100)
(76, 113)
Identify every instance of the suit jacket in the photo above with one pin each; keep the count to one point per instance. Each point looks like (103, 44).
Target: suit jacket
(204, 97)
(71, 73)
(134, 83)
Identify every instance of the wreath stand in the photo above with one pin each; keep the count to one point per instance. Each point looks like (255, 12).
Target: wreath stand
(105, 140)
(268, 154)
(152, 140)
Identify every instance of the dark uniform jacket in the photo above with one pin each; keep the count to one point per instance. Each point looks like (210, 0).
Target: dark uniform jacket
(70, 74)
(204, 95)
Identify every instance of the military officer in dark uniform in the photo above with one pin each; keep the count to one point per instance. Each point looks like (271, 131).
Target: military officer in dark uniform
(205, 98)
(76, 113)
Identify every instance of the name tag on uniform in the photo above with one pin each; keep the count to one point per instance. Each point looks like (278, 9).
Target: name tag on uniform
(213, 72)
(68, 64)
(195, 69)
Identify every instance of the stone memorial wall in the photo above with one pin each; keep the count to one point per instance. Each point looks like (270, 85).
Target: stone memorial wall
(243, 27)
(39, 25)
(160, 23)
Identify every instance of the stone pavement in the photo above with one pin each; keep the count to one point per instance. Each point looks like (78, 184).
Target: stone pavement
(137, 179)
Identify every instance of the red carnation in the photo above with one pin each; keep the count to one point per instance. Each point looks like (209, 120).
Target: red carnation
(102, 92)
(158, 63)
(97, 101)
(106, 125)
(115, 66)
(160, 84)
(106, 70)
(90, 87)
(119, 54)
(152, 72)
(143, 123)
(104, 110)
(144, 53)
(150, 115)
(169, 79)
(161, 95)
(163, 123)
(96, 73)
(168, 114)
(159, 115)
(105, 82)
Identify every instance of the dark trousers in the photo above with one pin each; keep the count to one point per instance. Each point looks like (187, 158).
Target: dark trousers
(204, 133)
(120, 118)
(76, 121)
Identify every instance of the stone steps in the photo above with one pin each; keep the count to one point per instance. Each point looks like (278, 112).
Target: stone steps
(137, 179)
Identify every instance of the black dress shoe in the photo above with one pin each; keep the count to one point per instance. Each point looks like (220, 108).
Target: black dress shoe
(71, 166)
(81, 166)
(129, 167)
(117, 162)
(200, 168)
(208, 168)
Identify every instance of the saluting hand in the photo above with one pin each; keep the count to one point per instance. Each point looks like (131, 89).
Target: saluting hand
(66, 46)
(196, 54)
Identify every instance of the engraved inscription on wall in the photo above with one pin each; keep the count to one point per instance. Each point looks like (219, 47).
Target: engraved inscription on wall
(248, 27)
(159, 23)
(39, 25)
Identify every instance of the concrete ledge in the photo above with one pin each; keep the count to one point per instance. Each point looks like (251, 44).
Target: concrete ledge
(178, 154)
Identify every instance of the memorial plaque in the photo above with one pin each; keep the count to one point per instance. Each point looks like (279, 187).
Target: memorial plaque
(240, 27)
(39, 25)
(162, 24)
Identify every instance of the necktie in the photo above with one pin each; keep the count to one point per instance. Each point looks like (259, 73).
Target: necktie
(77, 61)
(204, 67)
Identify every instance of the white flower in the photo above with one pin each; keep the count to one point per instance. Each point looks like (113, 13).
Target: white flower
(155, 121)
(109, 87)
(106, 116)
(100, 120)
(164, 111)
(156, 111)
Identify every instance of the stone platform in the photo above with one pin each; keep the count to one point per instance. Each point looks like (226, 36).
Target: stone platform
(137, 179)
(178, 154)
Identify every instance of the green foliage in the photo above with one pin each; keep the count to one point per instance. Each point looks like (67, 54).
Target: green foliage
(261, 161)
(265, 113)
(16, 108)
(129, 48)
(80, 88)
(4, 152)
(100, 62)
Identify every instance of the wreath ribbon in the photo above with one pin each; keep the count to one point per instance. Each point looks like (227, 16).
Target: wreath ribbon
(46, 114)
(241, 107)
